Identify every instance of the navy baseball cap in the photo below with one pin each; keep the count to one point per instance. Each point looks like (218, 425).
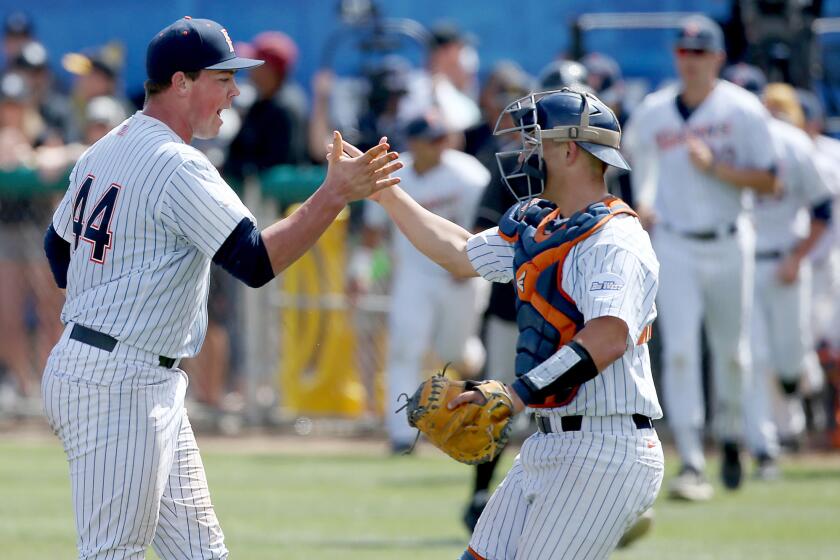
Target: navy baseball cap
(189, 45)
(425, 127)
(700, 33)
(446, 32)
(749, 77)
(18, 23)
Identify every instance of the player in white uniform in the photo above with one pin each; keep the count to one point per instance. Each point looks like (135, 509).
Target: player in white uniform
(132, 241)
(697, 149)
(788, 226)
(825, 261)
(430, 308)
(586, 279)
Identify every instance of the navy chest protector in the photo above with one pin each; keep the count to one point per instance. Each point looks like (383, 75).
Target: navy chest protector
(546, 315)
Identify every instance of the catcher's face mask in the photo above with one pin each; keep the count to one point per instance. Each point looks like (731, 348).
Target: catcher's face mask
(563, 115)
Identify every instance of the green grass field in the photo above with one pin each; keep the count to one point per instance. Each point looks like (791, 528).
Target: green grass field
(362, 504)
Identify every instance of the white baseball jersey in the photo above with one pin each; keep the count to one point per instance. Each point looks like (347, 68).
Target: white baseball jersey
(611, 273)
(826, 255)
(607, 473)
(782, 220)
(706, 266)
(144, 215)
(450, 190)
(731, 121)
(782, 334)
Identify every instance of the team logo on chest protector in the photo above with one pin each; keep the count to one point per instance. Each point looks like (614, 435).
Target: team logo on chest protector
(547, 316)
(520, 281)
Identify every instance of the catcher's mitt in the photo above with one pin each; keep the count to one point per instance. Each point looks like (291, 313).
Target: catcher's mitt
(471, 433)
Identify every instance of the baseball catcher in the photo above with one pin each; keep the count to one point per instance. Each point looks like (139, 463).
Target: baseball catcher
(467, 420)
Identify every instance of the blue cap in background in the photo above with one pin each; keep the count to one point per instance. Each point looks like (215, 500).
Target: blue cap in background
(700, 33)
(189, 45)
(749, 77)
(426, 127)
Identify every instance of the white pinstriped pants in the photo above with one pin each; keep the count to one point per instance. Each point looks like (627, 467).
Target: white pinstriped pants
(571, 495)
(136, 473)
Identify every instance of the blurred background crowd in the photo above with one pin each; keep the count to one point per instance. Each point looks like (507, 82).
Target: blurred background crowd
(435, 87)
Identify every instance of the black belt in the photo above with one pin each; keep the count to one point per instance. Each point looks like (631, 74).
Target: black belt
(709, 235)
(107, 342)
(769, 255)
(574, 423)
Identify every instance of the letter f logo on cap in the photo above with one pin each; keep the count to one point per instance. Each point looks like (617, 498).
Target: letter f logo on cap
(227, 38)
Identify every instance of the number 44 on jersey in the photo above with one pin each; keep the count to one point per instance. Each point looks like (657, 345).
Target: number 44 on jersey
(96, 228)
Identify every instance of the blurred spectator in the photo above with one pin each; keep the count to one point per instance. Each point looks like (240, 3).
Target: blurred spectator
(385, 85)
(18, 29)
(826, 255)
(563, 73)
(17, 109)
(25, 285)
(749, 77)
(453, 56)
(603, 75)
(388, 85)
(449, 82)
(505, 83)
(102, 115)
(273, 130)
(825, 259)
(54, 107)
(97, 73)
(788, 225)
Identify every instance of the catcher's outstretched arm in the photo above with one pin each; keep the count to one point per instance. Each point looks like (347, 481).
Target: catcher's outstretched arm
(439, 239)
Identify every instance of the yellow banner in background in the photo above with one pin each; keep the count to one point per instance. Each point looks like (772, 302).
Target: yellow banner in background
(318, 373)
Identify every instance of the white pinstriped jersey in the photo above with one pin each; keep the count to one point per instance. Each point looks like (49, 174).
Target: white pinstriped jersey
(735, 126)
(144, 215)
(614, 272)
(781, 221)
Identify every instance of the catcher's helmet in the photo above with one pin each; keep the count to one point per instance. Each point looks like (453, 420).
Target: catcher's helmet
(566, 115)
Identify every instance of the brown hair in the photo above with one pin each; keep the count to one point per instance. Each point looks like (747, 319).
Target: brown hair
(153, 88)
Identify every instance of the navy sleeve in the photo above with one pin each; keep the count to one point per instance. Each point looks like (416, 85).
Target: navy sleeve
(243, 254)
(58, 255)
(822, 211)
